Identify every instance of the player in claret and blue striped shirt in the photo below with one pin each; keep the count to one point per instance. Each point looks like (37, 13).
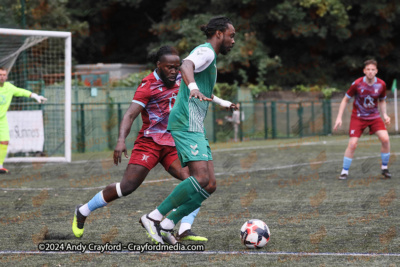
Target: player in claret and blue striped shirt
(369, 92)
(154, 99)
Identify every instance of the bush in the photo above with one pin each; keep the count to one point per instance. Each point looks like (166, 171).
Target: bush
(226, 91)
(256, 89)
(325, 90)
(132, 80)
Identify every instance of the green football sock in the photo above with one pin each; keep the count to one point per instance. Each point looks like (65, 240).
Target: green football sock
(181, 194)
(3, 153)
(186, 208)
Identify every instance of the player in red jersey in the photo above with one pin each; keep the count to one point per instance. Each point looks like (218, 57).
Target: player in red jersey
(154, 99)
(368, 91)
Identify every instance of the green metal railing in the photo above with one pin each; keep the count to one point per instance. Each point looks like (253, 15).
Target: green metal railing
(95, 125)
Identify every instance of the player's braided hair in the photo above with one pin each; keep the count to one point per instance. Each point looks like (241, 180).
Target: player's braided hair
(219, 23)
(164, 50)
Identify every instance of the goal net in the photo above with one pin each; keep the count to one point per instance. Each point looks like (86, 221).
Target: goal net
(39, 61)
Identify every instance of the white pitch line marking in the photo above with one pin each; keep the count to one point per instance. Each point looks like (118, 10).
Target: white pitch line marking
(266, 253)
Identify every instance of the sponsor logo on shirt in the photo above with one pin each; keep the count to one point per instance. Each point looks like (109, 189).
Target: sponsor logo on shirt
(369, 102)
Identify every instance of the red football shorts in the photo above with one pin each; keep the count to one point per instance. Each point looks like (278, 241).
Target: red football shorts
(148, 153)
(357, 126)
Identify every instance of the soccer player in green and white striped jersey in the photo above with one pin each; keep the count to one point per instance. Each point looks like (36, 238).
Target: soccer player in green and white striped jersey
(186, 123)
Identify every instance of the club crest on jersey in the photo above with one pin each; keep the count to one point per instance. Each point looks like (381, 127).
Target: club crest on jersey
(376, 91)
(369, 102)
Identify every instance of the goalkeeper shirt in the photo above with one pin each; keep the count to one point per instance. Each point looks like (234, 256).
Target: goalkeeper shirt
(7, 91)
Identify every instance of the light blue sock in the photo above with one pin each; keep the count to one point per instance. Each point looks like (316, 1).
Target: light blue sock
(346, 163)
(97, 202)
(385, 158)
(190, 218)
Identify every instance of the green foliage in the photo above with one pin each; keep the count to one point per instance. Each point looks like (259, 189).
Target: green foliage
(301, 88)
(285, 42)
(256, 89)
(41, 15)
(184, 34)
(226, 91)
(132, 80)
(325, 90)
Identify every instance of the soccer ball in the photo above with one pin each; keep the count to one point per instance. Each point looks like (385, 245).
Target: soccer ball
(254, 234)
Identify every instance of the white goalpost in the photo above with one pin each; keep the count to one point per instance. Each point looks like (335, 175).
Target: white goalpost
(39, 61)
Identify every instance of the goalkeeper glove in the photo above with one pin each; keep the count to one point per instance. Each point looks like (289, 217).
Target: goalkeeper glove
(38, 98)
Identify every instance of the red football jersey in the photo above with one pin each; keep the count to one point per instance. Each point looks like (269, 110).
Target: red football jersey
(157, 101)
(365, 104)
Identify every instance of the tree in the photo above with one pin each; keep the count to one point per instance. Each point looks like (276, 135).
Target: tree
(290, 42)
(248, 61)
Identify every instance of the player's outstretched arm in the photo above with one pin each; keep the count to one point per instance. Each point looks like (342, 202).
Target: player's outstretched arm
(223, 103)
(124, 130)
(38, 98)
(342, 106)
(382, 106)
(187, 70)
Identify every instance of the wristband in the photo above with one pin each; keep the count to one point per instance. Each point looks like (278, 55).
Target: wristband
(193, 86)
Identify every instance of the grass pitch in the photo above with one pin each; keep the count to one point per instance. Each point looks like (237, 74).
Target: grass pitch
(314, 218)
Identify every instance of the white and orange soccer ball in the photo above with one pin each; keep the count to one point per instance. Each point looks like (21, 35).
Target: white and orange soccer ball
(254, 234)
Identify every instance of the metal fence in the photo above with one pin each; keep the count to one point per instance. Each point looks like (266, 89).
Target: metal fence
(96, 120)
(95, 125)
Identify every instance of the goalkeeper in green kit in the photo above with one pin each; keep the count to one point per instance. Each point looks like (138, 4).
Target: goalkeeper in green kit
(7, 91)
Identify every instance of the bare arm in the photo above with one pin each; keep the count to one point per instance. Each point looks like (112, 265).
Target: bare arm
(187, 71)
(124, 130)
(342, 106)
(382, 105)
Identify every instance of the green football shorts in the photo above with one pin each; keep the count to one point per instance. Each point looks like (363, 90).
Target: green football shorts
(191, 146)
(4, 132)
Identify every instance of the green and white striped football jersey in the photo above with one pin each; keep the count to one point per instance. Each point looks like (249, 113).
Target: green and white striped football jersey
(189, 114)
